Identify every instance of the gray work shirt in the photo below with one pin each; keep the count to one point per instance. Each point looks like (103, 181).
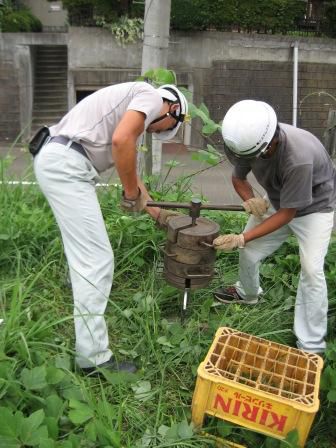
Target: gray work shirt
(300, 174)
(94, 119)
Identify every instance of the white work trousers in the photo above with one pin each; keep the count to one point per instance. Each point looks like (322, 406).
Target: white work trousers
(68, 179)
(313, 234)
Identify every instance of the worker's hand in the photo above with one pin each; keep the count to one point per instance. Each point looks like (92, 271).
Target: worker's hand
(256, 206)
(165, 216)
(229, 242)
(133, 205)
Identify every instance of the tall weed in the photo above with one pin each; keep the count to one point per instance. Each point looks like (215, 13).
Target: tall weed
(46, 403)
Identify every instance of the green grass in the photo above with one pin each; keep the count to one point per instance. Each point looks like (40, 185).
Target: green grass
(45, 403)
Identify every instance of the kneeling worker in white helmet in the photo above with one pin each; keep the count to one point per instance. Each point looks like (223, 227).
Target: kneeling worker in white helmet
(102, 130)
(299, 178)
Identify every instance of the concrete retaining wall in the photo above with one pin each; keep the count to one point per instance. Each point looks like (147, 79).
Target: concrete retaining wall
(17, 80)
(219, 68)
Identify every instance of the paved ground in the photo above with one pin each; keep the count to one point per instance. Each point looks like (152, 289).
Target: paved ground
(213, 182)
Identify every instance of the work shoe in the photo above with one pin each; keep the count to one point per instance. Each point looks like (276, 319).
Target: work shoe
(230, 295)
(112, 365)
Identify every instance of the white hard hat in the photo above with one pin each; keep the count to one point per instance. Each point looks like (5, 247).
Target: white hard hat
(171, 93)
(248, 128)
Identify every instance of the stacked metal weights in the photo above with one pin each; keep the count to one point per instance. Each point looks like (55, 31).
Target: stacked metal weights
(188, 255)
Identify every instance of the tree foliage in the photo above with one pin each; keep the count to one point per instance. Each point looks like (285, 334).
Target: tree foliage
(261, 16)
(85, 12)
(15, 18)
(331, 18)
(242, 15)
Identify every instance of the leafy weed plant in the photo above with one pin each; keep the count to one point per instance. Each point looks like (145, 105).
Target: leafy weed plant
(46, 403)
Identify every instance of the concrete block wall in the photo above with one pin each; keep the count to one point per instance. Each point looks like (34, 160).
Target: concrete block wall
(10, 124)
(17, 59)
(219, 69)
(317, 95)
(232, 81)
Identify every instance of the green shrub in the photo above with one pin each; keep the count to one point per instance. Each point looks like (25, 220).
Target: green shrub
(191, 15)
(85, 12)
(265, 16)
(330, 26)
(259, 15)
(80, 12)
(19, 21)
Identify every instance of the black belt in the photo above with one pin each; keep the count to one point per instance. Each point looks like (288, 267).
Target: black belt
(65, 140)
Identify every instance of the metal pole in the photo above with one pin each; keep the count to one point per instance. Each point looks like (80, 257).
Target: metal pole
(155, 55)
(295, 81)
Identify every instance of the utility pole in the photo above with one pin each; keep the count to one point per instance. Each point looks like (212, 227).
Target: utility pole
(155, 55)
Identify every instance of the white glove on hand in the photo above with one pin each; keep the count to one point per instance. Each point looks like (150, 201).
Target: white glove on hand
(165, 216)
(133, 205)
(229, 242)
(256, 206)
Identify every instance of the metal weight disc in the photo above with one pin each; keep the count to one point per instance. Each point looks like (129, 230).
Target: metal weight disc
(181, 232)
(207, 255)
(180, 283)
(188, 270)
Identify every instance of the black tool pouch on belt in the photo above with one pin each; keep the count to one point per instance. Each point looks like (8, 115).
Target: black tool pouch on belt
(38, 140)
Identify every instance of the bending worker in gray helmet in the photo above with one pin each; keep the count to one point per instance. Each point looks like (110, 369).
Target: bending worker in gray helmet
(101, 130)
(299, 178)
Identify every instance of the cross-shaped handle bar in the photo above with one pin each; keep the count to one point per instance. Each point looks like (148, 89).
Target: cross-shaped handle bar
(195, 206)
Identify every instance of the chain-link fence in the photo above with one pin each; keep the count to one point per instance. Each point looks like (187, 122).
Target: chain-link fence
(330, 134)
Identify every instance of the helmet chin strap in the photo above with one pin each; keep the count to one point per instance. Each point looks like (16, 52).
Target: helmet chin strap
(161, 117)
(178, 118)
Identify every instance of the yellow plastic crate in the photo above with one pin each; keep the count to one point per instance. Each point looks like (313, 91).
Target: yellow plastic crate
(264, 386)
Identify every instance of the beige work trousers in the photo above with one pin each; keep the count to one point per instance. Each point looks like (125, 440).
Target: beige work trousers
(68, 179)
(313, 233)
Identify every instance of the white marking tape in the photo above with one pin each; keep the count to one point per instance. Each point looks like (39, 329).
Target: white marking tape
(26, 182)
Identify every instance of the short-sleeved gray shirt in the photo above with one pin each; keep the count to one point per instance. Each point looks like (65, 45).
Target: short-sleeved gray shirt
(300, 174)
(94, 119)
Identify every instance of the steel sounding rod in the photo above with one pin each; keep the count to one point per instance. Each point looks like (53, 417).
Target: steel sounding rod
(187, 286)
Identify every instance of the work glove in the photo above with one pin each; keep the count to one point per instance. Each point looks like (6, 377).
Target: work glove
(165, 216)
(256, 206)
(133, 205)
(229, 242)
